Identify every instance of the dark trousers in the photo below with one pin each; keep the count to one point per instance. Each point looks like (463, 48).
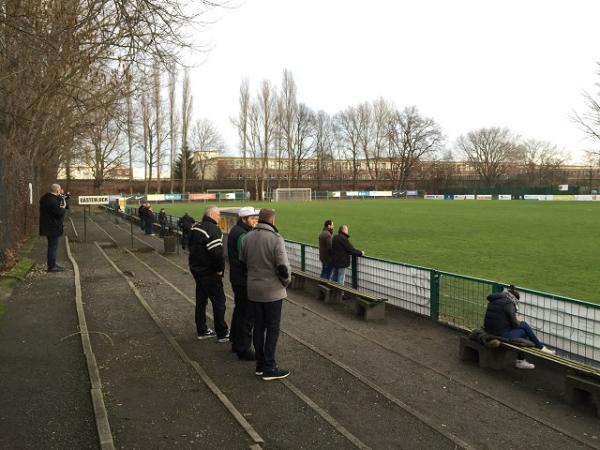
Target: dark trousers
(163, 229)
(327, 270)
(52, 248)
(267, 317)
(142, 224)
(185, 238)
(148, 226)
(210, 287)
(241, 321)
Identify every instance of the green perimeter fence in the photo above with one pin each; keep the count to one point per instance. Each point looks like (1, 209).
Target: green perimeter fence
(569, 325)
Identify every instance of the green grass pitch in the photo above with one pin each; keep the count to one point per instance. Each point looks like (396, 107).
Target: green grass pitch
(547, 246)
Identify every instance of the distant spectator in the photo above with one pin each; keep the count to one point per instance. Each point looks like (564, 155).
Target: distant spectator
(207, 264)
(501, 320)
(142, 215)
(185, 224)
(325, 243)
(149, 220)
(162, 221)
(52, 214)
(341, 250)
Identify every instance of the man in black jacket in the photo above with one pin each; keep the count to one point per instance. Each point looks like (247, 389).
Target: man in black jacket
(242, 319)
(207, 264)
(501, 320)
(52, 214)
(341, 250)
(185, 224)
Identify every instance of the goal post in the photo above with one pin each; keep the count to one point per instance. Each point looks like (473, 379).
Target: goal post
(293, 194)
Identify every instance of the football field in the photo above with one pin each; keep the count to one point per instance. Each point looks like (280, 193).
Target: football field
(547, 246)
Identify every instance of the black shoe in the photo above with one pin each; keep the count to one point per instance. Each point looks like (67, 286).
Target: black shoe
(259, 371)
(223, 339)
(56, 269)
(207, 334)
(275, 374)
(248, 355)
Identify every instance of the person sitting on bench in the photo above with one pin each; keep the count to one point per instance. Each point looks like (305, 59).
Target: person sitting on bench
(501, 320)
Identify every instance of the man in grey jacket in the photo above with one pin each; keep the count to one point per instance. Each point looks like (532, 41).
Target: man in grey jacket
(269, 273)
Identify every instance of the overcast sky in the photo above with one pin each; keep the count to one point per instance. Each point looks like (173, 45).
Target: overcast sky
(466, 63)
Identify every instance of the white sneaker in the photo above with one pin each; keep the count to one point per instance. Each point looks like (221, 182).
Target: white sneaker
(545, 349)
(523, 364)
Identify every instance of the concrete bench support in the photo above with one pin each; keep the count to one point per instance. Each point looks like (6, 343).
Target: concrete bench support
(492, 358)
(329, 295)
(583, 390)
(369, 311)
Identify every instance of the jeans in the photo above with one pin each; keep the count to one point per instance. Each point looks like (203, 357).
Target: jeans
(185, 239)
(242, 321)
(326, 271)
(52, 248)
(267, 317)
(339, 274)
(210, 287)
(524, 331)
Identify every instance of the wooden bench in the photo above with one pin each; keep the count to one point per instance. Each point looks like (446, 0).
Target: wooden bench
(366, 305)
(582, 382)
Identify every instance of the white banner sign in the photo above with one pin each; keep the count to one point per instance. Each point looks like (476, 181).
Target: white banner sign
(470, 197)
(380, 193)
(504, 197)
(155, 197)
(484, 197)
(93, 199)
(459, 197)
(434, 197)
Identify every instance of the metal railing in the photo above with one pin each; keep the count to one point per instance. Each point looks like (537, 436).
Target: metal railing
(569, 325)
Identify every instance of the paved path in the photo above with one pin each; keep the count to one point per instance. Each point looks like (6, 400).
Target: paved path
(353, 384)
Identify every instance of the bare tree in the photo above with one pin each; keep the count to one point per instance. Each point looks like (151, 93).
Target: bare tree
(589, 121)
(543, 162)
(172, 123)
(411, 137)
(287, 112)
(349, 131)
(382, 111)
(186, 113)
(325, 142)
(304, 133)
(208, 144)
(490, 151)
(158, 119)
(241, 124)
(130, 126)
(267, 102)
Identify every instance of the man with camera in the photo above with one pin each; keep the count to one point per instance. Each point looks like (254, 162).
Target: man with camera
(52, 213)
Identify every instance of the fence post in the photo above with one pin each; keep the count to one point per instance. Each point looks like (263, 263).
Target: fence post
(434, 301)
(354, 272)
(302, 257)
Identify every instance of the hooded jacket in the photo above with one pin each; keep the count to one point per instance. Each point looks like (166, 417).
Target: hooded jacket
(206, 249)
(51, 215)
(341, 249)
(501, 314)
(269, 272)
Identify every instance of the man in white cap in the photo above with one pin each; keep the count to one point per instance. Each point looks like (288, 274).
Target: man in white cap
(242, 320)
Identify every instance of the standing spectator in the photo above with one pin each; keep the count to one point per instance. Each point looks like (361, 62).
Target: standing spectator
(149, 219)
(185, 225)
(52, 214)
(207, 264)
(263, 251)
(325, 241)
(142, 216)
(341, 250)
(241, 321)
(162, 220)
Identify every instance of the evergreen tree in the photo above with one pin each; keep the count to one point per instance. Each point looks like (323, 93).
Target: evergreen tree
(190, 169)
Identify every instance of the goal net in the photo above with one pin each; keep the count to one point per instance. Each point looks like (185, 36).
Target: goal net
(293, 194)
